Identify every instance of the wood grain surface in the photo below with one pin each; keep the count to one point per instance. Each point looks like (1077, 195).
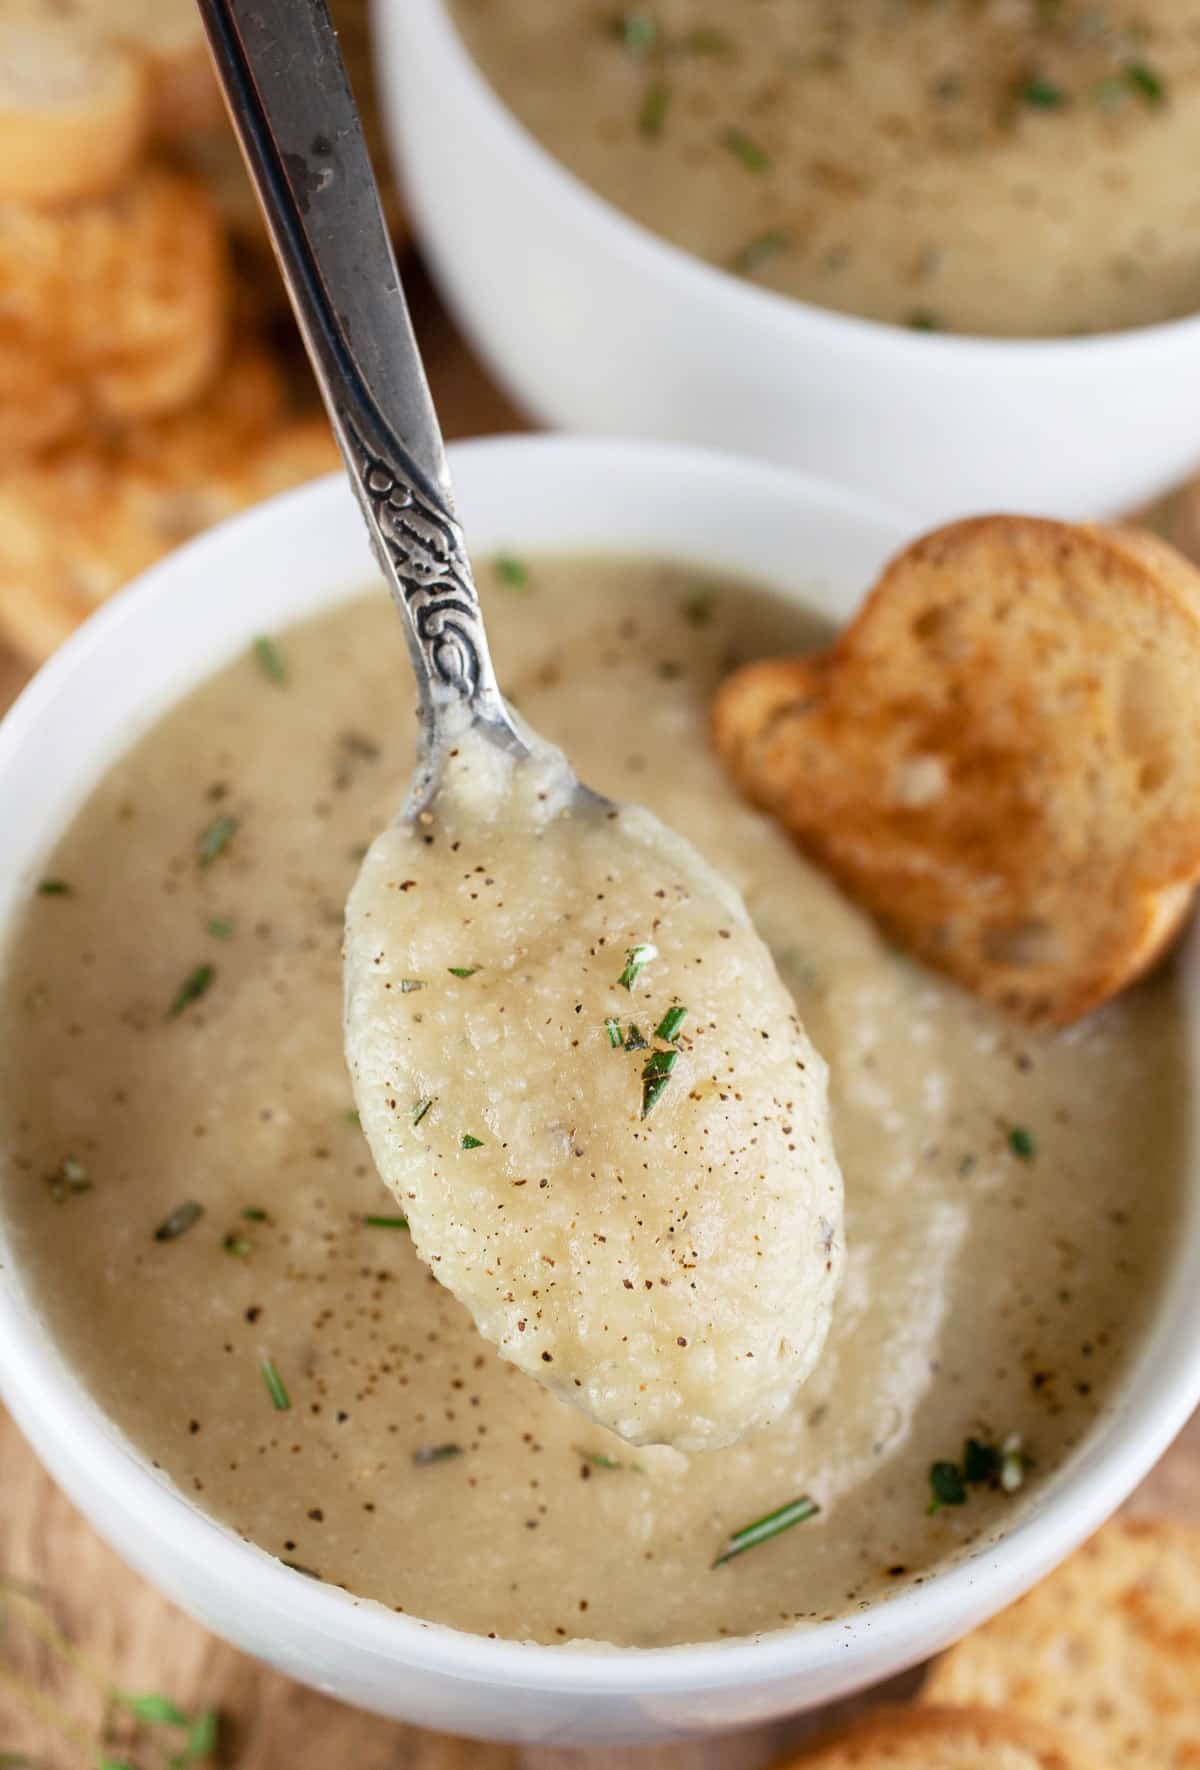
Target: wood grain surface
(144, 1643)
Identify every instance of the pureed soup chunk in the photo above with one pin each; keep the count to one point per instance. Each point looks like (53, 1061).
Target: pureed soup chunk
(174, 1036)
(1005, 167)
(582, 1078)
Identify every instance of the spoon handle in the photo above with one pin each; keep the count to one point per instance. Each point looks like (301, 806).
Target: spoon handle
(286, 86)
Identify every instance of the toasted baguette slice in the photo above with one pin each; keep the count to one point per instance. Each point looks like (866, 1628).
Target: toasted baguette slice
(1000, 757)
(169, 37)
(1108, 1646)
(123, 304)
(944, 1739)
(78, 524)
(74, 108)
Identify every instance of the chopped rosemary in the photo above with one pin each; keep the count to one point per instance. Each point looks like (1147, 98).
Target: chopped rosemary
(435, 1453)
(253, 1214)
(179, 1221)
(1020, 1141)
(746, 149)
(237, 1245)
(421, 1108)
(1042, 95)
(216, 838)
(409, 984)
(269, 659)
(599, 1460)
(274, 1382)
(759, 250)
(655, 1076)
(462, 970)
(763, 1529)
(373, 1222)
(670, 1023)
(636, 960)
(946, 1487)
(613, 1029)
(55, 888)
(469, 1142)
(635, 1039)
(194, 985)
(221, 927)
(1145, 82)
(636, 30)
(656, 102)
(512, 571)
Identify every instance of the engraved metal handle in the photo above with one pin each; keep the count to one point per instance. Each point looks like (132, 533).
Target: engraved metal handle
(286, 86)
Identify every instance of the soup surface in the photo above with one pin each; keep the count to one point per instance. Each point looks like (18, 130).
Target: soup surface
(1008, 167)
(194, 1208)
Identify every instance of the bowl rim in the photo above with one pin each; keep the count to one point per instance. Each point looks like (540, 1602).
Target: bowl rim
(764, 306)
(1119, 1447)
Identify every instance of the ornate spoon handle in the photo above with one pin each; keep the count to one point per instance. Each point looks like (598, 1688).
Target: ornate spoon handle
(289, 96)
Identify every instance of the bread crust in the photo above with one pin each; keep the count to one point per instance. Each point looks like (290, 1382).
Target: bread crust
(943, 1738)
(74, 112)
(1000, 757)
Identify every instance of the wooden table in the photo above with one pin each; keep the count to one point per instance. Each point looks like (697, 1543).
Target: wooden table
(144, 1643)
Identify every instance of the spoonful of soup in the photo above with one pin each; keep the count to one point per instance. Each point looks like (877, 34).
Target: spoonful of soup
(574, 1062)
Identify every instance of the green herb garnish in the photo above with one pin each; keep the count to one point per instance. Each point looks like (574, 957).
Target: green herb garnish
(758, 250)
(946, 1487)
(921, 319)
(761, 1531)
(1145, 82)
(194, 985)
(635, 1039)
(351, 1117)
(179, 1221)
(200, 1742)
(275, 1388)
(221, 927)
(670, 1023)
(435, 1453)
(637, 30)
(469, 1142)
(237, 1245)
(656, 102)
(213, 840)
(409, 984)
(253, 1214)
(636, 960)
(420, 1109)
(1042, 95)
(269, 659)
(746, 149)
(386, 1222)
(512, 571)
(462, 970)
(980, 1462)
(158, 1710)
(613, 1029)
(55, 888)
(599, 1460)
(1021, 1142)
(655, 1076)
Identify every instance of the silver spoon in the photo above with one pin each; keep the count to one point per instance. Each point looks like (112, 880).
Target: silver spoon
(694, 1363)
(290, 100)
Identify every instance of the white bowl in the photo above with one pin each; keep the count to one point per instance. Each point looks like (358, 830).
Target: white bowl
(593, 323)
(181, 621)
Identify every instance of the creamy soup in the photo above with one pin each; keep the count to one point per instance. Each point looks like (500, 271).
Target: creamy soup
(195, 1210)
(581, 1075)
(1006, 167)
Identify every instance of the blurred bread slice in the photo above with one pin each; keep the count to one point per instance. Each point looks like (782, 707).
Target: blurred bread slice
(944, 1739)
(169, 37)
(1107, 1646)
(120, 307)
(74, 107)
(1000, 756)
(80, 522)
